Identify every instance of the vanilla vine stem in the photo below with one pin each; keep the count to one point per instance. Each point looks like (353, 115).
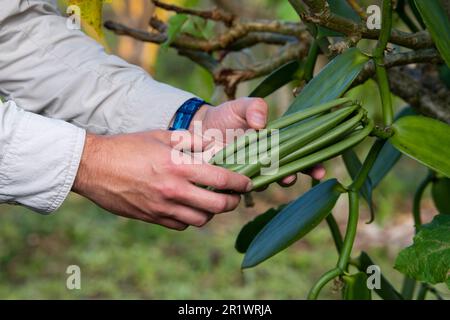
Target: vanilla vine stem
(352, 223)
(380, 70)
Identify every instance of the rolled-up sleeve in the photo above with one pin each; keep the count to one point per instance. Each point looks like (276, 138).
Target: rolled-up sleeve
(52, 70)
(39, 158)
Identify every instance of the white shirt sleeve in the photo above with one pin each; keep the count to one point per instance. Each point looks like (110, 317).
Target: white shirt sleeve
(39, 158)
(53, 72)
(49, 69)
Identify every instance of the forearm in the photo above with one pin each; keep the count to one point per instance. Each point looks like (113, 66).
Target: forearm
(63, 74)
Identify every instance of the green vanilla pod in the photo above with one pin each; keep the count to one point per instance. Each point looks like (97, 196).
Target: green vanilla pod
(290, 146)
(325, 140)
(304, 114)
(304, 126)
(233, 147)
(314, 158)
(283, 122)
(285, 135)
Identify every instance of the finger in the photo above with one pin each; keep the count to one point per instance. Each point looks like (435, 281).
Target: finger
(256, 113)
(206, 200)
(165, 222)
(252, 111)
(218, 178)
(261, 189)
(288, 181)
(189, 216)
(318, 172)
(172, 224)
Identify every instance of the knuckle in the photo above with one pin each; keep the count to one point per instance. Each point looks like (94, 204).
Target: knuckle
(178, 169)
(200, 222)
(169, 214)
(169, 191)
(221, 180)
(221, 205)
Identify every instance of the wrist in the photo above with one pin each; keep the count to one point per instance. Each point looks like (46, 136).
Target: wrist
(89, 157)
(199, 117)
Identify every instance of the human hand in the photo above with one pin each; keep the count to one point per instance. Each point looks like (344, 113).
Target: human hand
(244, 113)
(134, 175)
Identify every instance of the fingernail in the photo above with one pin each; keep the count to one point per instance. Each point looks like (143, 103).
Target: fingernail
(290, 179)
(258, 119)
(249, 186)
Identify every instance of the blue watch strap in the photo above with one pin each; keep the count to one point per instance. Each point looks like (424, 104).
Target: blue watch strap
(185, 114)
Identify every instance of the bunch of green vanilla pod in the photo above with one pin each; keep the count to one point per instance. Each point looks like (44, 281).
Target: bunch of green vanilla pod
(303, 140)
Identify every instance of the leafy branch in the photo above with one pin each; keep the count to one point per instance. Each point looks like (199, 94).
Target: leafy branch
(291, 38)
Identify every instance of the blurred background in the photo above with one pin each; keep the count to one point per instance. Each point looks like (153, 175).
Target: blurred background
(124, 259)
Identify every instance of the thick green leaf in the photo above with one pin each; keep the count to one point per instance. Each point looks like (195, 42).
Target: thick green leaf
(386, 290)
(356, 287)
(425, 140)
(388, 156)
(444, 74)
(386, 160)
(198, 27)
(353, 166)
(251, 229)
(332, 81)
(428, 259)
(293, 222)
(175, 24)
(416, 13)
(276, 79)
(438, 24)
(441, 195)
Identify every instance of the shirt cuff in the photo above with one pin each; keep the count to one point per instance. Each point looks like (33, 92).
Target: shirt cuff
(40, 160)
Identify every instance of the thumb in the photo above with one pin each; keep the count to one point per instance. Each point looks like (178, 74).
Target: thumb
(254, 111)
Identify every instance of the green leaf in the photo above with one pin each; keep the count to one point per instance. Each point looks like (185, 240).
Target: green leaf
(332, 81)
(388, 156)
(444, 74)
(441, 195)
(251, 229)
(428, 259)
(353, 166)
(425, 140)
(356, 287)
(386, 290)
(276, 79)
(175, 24)
(438, 24)
(293, 222)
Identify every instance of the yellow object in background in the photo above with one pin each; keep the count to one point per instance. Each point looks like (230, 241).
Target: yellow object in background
(91, 13)
(137, 13)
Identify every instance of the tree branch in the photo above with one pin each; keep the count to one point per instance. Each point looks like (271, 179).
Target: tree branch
(142, 35)
(320, 14)
(230, 78)
(226, 40)
(214, 14)
(425, 101)
(399, 59)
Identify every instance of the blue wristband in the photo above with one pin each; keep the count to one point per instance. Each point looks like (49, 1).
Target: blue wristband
(185, 114)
